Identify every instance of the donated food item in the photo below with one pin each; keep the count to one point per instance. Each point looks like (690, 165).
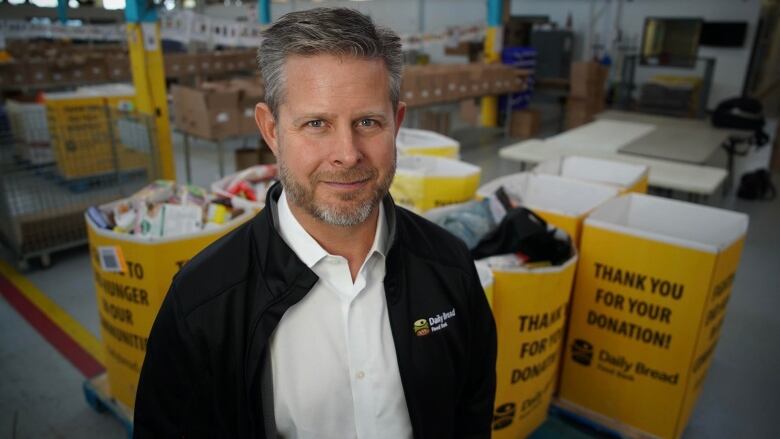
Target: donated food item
(97, 217)
(192, 195)
(247, 188)
(217, 213)
(158, 192)
(163, 209)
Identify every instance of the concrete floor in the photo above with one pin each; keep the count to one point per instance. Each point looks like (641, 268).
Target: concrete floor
(40, 392)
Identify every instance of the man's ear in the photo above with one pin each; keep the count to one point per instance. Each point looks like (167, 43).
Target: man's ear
(400, 112)
(267, 123)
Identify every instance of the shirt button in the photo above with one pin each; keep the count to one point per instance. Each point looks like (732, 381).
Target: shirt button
(360, 375)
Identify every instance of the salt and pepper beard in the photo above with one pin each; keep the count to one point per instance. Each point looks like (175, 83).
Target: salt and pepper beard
(302, 197)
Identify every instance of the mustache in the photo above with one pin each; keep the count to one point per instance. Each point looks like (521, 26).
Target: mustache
(346, 176)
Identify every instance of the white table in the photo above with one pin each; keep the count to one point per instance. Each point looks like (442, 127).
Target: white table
(678, 139)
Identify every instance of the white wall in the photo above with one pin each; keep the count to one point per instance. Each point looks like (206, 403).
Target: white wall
(731, 63)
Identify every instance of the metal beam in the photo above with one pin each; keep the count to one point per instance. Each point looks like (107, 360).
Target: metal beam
(62, 11)
(264, 11)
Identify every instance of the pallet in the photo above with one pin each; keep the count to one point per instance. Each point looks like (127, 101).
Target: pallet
(596, 424)
(97, 396)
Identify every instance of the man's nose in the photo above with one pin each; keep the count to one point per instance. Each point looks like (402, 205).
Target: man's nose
(346, 153)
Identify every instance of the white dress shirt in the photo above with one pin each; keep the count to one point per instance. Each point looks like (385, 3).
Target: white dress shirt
(333, 362)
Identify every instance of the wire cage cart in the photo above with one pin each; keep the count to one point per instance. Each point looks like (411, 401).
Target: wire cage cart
(59, 158)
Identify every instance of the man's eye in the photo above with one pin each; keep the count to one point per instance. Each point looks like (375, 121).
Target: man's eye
(367, 123)
(315, 124)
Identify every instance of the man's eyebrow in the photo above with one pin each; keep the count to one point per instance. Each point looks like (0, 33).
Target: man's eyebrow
(372, 115)
(314, 116)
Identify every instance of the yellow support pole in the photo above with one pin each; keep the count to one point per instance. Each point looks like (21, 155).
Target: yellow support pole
(146, 61)
(493, 43)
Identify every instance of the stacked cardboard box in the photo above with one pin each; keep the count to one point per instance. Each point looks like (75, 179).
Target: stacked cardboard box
(587, 93)
(424, 85)
(67, 67)
(525, 124)
(217, 110)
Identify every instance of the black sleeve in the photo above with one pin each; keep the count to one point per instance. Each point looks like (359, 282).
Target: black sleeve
(476, 411)
(169, 399)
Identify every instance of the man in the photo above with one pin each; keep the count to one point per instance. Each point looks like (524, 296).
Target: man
(333, 313)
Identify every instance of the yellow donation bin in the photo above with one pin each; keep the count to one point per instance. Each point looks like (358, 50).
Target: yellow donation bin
(412, 141)
(562, 202)
(654, 278)
(132, 275)
(626, 177)
(424, 182)
(530, 308)
(486, 279)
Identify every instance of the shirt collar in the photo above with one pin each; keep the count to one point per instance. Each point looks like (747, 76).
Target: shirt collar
(307, 248)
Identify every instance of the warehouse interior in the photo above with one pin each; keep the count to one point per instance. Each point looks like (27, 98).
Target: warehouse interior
(644, 131)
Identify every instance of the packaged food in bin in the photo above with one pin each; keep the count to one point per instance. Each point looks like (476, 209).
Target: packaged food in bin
(247, 189)
(164, 209)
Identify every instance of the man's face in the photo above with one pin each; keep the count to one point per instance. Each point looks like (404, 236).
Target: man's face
(335, 136)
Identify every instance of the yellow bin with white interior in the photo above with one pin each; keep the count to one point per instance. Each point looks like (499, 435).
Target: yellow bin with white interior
(626, 177)
(653, 282)
(425, 182)
(131, 289)
(560, 201)
(412, 141)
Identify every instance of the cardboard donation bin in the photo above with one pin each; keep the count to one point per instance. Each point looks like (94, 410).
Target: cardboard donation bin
(560, 201)
(132, 275)
(422, 142)
(425, 182)
(529, 305)
(486, 279)
(626, 177)
(654, 278)
(246, 189)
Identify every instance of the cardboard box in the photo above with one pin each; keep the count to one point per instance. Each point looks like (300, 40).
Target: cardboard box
(209, 112)
(118, 68)
(174, 65)
(587, 79)
(410, 89)
(96, 70)
(251, 92)
(654, 279)
(525, 124)
(580, 111)
(38, 72)
(204, 62)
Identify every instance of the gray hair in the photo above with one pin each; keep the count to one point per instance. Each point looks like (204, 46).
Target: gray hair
(330, 31)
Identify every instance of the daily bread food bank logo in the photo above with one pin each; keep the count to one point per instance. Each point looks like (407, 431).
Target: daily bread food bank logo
(421, 328)
(503, 416)
(582, 352)
(438, 322)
